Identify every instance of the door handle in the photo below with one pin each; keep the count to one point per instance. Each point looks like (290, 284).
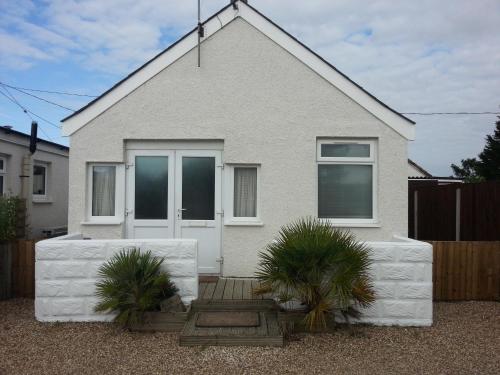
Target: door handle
(179, 212)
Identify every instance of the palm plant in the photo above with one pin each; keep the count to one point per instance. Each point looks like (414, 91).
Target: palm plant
(132, 283)
(323, 268)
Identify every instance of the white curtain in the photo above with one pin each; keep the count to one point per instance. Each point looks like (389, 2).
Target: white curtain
(245, 192)
(39, 180)
(103, 191)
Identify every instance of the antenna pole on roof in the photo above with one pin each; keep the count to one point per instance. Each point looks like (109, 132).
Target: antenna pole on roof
(201, 33)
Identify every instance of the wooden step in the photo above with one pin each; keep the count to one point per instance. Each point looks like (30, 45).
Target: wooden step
(234, 305)
(268, 333)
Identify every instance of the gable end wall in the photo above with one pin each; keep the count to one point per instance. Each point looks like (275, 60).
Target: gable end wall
(269, 108)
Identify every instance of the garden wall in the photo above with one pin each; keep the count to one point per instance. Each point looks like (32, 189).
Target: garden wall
(66, 273)
(402, 276)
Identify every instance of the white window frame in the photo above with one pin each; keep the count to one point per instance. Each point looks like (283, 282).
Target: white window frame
(3, 175)
(229, 218)
(370, 160)
(41, 197)
(4, 169)
(118, 217)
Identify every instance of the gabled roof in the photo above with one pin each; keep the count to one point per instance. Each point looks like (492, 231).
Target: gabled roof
(419, 168)
(392, 118)
(8, 130)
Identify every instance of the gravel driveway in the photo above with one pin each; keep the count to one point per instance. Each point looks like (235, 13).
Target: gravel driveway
(464, 340)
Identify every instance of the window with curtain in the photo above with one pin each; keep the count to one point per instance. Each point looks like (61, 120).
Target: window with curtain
(245, 192)
(39, 180)
(346, 173)
(103, 190)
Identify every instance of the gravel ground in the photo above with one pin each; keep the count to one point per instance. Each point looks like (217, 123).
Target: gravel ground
(465, 339)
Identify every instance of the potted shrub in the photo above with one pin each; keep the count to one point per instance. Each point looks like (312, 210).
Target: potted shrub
(8, 227)
(133, 286)
(315, 271)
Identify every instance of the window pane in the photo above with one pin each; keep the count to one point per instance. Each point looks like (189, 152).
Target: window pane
(198, 188)
(1, 185)
(39, 180)
(345, 150)
(103, 191)
(245, 192)
(151, 187)
(345, 191)
(2, 165)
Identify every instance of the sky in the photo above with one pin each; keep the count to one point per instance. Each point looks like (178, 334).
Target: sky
(416, 56)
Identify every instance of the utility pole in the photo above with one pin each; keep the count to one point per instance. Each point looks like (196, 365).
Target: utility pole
(201, 33)
(27, 177)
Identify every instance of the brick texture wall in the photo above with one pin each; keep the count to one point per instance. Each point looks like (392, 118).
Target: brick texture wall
(66, 273)
(402, 276)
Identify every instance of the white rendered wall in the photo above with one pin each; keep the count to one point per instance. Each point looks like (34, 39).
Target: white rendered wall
(402, 277)
(268, 108)
(66, 276)
(66, 273)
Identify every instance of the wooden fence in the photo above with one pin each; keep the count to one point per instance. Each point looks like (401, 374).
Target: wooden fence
(466, 270)
(454, 212)
(18, 269)
(23, 268)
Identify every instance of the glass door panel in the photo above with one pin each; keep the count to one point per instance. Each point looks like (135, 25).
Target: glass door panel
(198, 188)
(151, 187)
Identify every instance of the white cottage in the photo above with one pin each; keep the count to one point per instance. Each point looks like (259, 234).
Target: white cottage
(262, 132)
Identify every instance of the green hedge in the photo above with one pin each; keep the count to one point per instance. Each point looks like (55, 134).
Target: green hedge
(8, 217)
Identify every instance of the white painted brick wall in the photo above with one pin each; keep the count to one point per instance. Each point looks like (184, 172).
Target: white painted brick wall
(402, 277)
(66, 273)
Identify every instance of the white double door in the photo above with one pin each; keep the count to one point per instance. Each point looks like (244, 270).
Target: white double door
(176, 194)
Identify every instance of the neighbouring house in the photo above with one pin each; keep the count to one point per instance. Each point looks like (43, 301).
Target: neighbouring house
(416, 171)
(418, 176)
(40, 178)
(264, 131)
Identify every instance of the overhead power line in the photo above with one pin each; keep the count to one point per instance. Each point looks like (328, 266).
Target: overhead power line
(37, 97)
(44, 119)
(14, 100)
(24, 89)
(27, 111)
(45, 133)
(51, 92)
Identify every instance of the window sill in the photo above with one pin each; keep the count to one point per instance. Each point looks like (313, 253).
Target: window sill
(103, 222)
(42, 200)
(244, 224)
(355, 225)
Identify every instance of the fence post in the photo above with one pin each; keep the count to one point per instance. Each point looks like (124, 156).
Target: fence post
(5, 270)
(457, 214)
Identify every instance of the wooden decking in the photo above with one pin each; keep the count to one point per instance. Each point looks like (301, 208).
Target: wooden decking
(229, 289)
(268, 333)
(226, 294)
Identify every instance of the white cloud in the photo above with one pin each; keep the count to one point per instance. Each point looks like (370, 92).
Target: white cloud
(415, 55)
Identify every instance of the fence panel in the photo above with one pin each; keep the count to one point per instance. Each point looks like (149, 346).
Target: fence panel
(466, 270)
(23, 268)
(436, 208)
(480, 212)
(433, 216)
